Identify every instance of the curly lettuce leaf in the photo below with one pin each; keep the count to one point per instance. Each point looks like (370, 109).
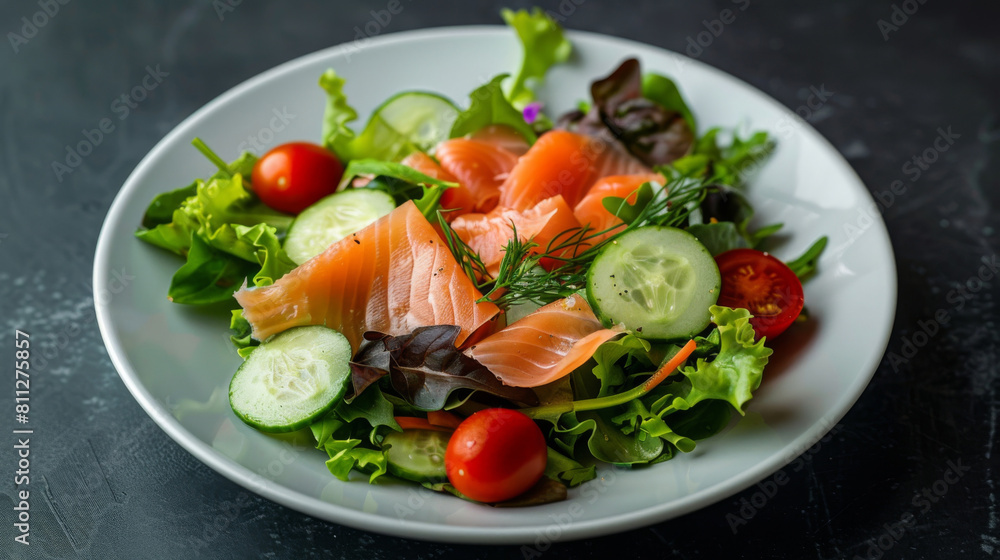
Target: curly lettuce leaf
(737, 369)
(257, 244)
(638, 419)
(219, 201)
(606, 441)
(218, 263)
(225, 233)
(337, 135)
(371, 407)
(487, 106)
(241, 336)
(544, 46)
(347, 452)
(610, 369)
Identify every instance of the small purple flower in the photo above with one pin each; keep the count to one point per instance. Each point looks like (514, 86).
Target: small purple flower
(531, 111)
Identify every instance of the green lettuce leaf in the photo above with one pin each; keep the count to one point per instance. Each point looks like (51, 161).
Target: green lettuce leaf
(390, 169)
(225, 233)
(719, 237)
(606, 441)
(806, 264)
(407, 122)
(487, 106)
(734, 373)
(731, 164)
(208, 276)
(346, 452)
(703, 420)
(566, 470)
(609, 367)
(425, 197)
(241, 334)
(218, 263)
(638, 419)
(324, 429)
(372, 407)
(408, 184)
(161, 209)
(664, 91)
(258, 244)
(219, 201)
(544, 46)
(175, 235)
(337, 135)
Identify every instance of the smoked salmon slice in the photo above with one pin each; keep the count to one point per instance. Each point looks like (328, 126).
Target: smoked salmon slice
(502, 136)
(454, 199)
(544, 346)
(488, 234)
(479, 168)
(591, 211)
(393, 276)
(564, 163)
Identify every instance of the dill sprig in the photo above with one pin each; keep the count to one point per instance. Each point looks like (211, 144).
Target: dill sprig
(520, 277)
(467, 258)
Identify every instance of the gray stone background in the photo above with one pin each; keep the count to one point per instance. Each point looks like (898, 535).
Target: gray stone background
(108, 484)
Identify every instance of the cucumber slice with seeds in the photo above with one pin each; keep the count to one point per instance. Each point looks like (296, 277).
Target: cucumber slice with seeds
(408, 121)
(292, 379)
(417, 455)
(658, 281)
(333, 218)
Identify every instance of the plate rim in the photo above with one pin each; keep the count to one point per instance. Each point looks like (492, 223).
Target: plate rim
(332, 512)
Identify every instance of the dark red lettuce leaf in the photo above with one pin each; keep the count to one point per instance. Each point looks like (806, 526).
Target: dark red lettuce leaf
(652, 133)
(370, 363)
(424, 367)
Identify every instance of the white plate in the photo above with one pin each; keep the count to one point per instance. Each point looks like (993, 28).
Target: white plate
(177, 361)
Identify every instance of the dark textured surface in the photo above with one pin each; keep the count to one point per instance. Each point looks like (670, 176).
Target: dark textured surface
(107, 483)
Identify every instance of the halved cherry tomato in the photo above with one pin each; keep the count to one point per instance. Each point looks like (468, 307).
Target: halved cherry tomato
(762, 284)
(495, 455)
(293, 176)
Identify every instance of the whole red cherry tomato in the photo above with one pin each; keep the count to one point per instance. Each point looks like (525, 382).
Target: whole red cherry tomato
(495, 455)
(293, 176)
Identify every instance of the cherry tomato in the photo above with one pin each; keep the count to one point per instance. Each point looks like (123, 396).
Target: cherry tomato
(292, 176)
(495, 455)
(763, 285)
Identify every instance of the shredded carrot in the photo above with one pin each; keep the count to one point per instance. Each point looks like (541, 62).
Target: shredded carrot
(443, 419)
(669, 367)
(413, 423)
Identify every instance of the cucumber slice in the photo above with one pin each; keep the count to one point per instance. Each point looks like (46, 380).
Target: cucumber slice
(408, 121)
(417, 455)
(658, 281)
(333, 218)
(291, 379)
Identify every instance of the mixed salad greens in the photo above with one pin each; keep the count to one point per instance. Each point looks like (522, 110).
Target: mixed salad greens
(675, 284)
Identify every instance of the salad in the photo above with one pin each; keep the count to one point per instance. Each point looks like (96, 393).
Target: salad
(490, 300)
